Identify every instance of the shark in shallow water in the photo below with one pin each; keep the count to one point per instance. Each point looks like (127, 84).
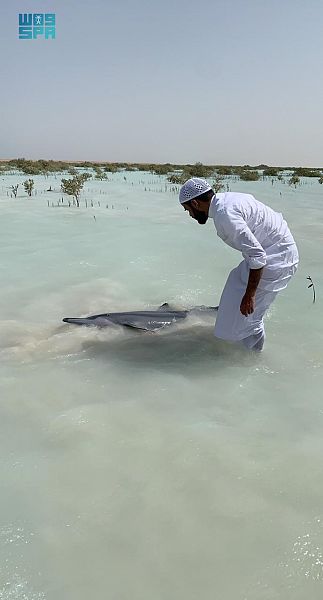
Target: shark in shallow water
(144, 320)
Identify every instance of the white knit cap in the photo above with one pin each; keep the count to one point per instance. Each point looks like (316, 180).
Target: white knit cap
(192, 188)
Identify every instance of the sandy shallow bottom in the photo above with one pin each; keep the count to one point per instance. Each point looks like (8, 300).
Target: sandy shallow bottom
(160, 466)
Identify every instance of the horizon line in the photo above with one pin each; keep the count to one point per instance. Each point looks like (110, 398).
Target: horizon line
(161, 163)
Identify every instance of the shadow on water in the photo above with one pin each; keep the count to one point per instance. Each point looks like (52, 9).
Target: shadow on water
(182, 349)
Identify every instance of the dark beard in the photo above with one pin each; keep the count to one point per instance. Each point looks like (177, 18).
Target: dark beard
(200, 216)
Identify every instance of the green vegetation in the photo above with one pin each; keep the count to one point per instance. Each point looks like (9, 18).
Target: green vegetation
(217, 184)
(174, 173)
(37, 167)
(99, 173)
(4, 166)
(270, 172)
(85, 165)
(111, 168)
(178, 174)
(221, 170)
(305, 172)
(74, 186)
(294, 180)
(198, 170)
(29, 186)
(178, 178)
(249, 175)
(14, 189)
(161, 169)
(72, 171)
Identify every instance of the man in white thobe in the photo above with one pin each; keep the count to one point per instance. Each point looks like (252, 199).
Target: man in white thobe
(268, 249)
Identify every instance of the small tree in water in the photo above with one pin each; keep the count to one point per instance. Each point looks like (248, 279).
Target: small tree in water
(15, 189)
(270, 172)
(198, 170)
(99, 174)
(294, 180)
(249, 175)
(217, 184)
(29, 186)
(178, 179)
(73, 187)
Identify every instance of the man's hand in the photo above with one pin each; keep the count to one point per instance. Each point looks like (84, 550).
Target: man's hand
(247, 305)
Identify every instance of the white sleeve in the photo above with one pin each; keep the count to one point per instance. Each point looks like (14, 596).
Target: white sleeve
(234, 231)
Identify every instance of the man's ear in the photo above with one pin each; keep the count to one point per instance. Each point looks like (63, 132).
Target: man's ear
(195, 204)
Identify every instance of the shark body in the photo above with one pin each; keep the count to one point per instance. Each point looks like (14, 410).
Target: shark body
(144, 320)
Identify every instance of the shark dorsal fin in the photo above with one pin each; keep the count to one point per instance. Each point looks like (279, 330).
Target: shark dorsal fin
(164, 306)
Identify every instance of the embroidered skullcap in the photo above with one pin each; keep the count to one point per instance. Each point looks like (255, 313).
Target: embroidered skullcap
(192, 188)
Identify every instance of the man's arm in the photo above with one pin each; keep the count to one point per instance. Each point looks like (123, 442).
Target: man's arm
(234, 231)
(247, 305)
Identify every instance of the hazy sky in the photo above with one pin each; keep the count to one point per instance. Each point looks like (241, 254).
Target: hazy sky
(217, 81)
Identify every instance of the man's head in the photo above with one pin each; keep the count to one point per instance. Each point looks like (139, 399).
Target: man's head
(195, 197)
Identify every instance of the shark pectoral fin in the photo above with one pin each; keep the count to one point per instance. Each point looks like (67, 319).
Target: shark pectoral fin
(137, 328)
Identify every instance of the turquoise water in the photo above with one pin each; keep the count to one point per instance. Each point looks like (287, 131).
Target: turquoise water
(165, 466)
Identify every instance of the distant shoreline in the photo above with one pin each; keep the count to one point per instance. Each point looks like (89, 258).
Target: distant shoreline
(159, 164)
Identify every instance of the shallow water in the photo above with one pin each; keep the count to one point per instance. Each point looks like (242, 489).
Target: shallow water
(165, 466)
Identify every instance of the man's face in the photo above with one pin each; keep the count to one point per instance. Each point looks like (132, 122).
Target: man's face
(193, 207)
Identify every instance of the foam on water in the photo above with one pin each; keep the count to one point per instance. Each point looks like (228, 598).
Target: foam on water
(166, 465)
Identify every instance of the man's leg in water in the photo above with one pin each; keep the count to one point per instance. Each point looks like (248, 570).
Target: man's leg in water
(255, 342)
(231, 324)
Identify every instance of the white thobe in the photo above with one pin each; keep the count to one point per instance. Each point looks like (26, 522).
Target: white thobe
(263, 238)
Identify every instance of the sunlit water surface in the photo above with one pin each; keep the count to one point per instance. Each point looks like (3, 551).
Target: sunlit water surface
(165, 466)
